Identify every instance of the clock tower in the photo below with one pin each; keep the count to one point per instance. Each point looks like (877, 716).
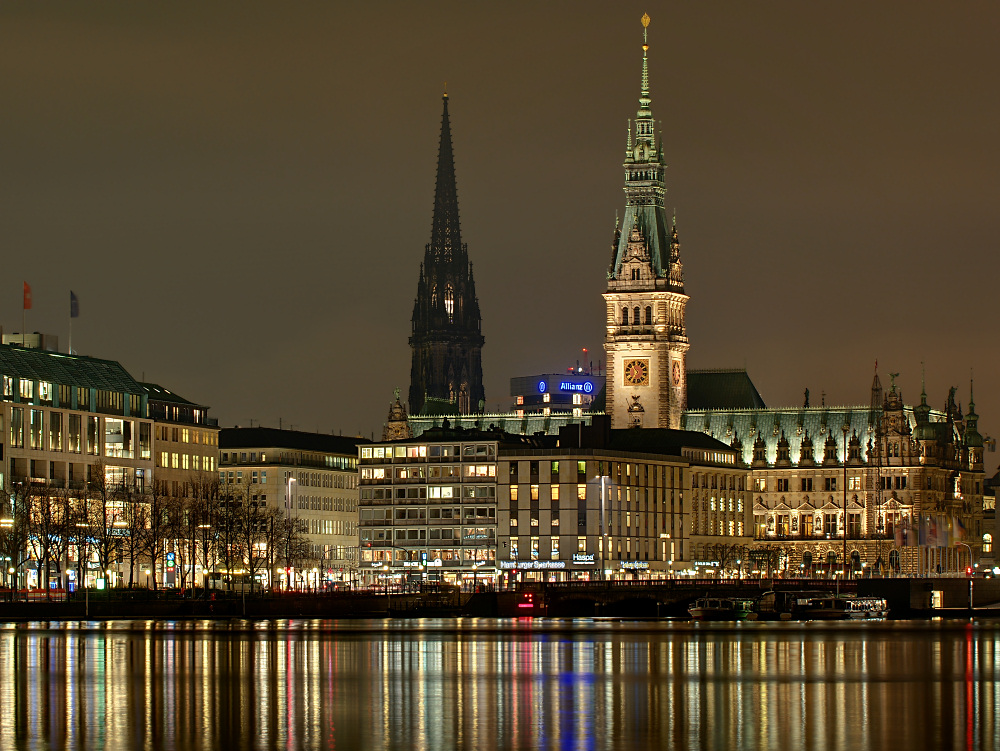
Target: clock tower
(646, 337)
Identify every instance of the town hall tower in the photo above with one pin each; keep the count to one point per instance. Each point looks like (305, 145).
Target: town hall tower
(646, 338)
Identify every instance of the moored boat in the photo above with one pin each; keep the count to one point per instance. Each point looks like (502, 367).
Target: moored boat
(721, 609)
(839, 608)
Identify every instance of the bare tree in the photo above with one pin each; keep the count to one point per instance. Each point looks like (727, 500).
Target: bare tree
(205, 507)
(106, 519)
(159, 523)
(135, 514)
(14, 529)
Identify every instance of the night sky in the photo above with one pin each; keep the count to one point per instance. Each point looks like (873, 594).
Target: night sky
(240, 193)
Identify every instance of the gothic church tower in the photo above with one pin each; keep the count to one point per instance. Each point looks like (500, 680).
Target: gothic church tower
(446, 337)
(646, 339)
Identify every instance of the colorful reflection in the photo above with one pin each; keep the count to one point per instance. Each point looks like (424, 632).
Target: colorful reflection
(496, 685)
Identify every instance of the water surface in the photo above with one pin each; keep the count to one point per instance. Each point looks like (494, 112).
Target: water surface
(494, 684)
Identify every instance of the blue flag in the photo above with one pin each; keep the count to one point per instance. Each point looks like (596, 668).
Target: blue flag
(74, 305)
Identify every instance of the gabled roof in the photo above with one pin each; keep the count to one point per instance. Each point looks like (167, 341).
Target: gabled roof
(66, 370)
(722, 389)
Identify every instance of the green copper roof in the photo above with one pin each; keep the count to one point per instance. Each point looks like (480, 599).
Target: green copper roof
(66, 370)
(722, 389)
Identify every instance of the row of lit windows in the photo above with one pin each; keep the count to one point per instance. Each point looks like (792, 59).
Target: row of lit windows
(194, 462)
(469, 451)
(187, 435)
(78, 434)
(44, 393)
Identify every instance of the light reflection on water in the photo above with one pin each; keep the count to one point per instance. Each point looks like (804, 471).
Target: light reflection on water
(487, 684)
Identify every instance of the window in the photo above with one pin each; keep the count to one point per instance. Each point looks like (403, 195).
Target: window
(93, 446)
(649, 316)
(534, 492)
(554, 492)
(830, 524)
(581, 492)
(449, 303)
(73, 434)
(829, 483)
(555, 548)
(987, 543)
(17, 427)
(635, 316)
(513, 492)
(624, 316)
(36, 429)
(782, 484)
(807, 484)
(27, 389)
(55, 431)
(760, 484)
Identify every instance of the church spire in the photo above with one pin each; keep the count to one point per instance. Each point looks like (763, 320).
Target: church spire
(446, 340)
(446, 234)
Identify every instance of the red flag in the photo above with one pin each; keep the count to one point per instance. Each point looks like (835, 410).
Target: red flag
(27, 296)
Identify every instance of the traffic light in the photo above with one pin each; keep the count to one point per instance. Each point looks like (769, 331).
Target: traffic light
(968, 570)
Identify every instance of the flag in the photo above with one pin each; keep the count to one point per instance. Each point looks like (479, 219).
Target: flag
(74, 305)
(27, 296)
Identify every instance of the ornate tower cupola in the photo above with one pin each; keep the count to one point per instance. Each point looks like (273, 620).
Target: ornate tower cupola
(447, 372)
(972, 439)
(646, 338)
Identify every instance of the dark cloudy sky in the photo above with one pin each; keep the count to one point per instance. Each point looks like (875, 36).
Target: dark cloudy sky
(240, 193)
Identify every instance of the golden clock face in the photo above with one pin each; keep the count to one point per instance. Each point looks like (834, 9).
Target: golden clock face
(637, 372)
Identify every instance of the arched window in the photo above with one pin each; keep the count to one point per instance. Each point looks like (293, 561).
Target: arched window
(449, 302)
(987, 543)
(624, 316)
(855, 560)
(807, 562)
(649, 316)
(635, 316)
(894, 560)
(831, 561)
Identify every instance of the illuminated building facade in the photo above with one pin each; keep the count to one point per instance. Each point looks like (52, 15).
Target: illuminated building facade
(909, 496)
(310, 476)
(446, 337)
(456, 505)
(72, 425)
(185, 442)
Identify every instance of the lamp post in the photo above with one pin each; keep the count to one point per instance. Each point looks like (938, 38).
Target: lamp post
(604, 527)
(969, 548)
(847, 571)
(288, 514)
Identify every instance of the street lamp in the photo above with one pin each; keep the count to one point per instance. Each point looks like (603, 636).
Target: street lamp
(969, 548)
(846, 569)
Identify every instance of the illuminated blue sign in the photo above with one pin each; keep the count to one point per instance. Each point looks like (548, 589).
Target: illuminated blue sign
(586, 387)
(541, 387)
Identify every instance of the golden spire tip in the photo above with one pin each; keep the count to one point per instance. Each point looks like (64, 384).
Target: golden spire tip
(645, 19)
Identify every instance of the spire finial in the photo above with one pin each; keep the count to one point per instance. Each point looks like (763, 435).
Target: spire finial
(445, 90)
(644, 98)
